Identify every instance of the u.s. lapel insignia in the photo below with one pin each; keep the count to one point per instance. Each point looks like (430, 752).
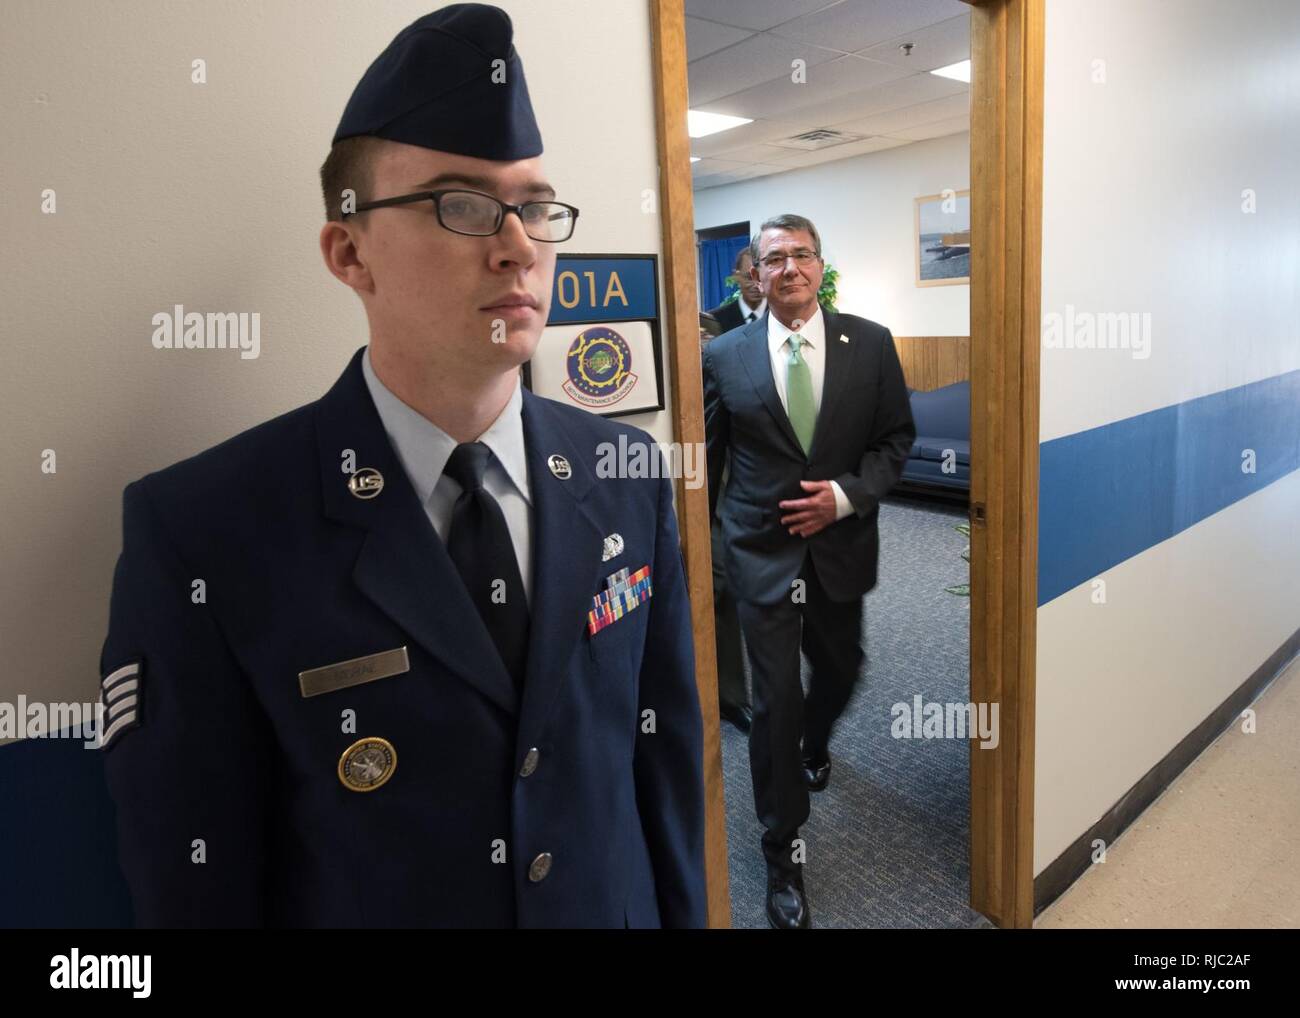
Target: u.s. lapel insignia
(367, 764)
(559, 466)
(366, 483)
(613, 547)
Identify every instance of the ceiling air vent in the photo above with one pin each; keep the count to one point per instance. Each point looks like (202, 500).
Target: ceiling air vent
(817, 139)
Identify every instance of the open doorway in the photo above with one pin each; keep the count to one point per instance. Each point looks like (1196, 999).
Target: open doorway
(922, 827)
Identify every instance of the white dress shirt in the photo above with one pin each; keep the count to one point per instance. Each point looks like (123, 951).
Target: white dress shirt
(813, 351)
(424, 448)
(746, 311)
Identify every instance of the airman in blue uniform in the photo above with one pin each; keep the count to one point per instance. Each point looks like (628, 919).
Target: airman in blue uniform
(400, 657)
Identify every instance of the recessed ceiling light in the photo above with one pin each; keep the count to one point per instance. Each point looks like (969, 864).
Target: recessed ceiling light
(699, 125)
(960, 71)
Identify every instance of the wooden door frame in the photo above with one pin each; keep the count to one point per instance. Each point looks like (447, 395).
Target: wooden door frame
(1006, 223)
(1006, 310)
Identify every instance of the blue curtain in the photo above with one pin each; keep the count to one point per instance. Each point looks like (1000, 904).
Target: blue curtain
(716, 260)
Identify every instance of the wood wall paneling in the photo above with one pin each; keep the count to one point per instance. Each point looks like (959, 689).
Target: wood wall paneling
(931, 362)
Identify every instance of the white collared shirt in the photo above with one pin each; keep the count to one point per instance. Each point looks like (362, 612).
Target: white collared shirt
(424, 448)
(813, 351)
(746, 310)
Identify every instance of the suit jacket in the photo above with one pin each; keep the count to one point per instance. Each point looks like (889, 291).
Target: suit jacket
(300, 573)
(863, 435)
(728, 315)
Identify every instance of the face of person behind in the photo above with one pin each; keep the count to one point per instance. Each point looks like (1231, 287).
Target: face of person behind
(790, 288)
(750, 286)
(441, 299)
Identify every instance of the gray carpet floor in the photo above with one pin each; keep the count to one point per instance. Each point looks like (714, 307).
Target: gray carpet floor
(887, 841)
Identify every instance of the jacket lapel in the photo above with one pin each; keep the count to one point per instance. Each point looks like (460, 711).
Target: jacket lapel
(402, 565)
(567, 543)
(836, 362)
(758, 363)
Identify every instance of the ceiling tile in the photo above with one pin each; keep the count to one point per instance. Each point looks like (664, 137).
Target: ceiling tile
(755, 60)
(892, 95)
(771, 154)
(853, 148)
(747, 134)
(907, 117)
(704, 37)
(824, 81)
(854, 25)
(936, 46)
(707, 166)
(755, 15)
(938, 129)
(720, 179)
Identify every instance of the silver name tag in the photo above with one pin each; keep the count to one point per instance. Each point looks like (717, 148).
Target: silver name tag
(356, 672)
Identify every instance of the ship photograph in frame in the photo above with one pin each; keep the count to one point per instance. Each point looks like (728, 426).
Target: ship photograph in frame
(942, 232)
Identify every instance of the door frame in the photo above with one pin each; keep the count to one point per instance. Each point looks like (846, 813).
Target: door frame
(1006, 223)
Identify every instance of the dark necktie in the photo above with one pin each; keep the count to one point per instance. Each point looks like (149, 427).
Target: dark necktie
(479, 543)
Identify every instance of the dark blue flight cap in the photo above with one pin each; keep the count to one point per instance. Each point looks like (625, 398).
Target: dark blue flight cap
(436, 86)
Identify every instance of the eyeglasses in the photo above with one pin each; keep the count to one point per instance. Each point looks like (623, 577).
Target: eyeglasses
(776, 261)
(476, 214)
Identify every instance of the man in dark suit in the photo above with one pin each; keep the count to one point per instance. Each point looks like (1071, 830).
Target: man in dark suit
(812, 408)
(398, 657)
(750, 304)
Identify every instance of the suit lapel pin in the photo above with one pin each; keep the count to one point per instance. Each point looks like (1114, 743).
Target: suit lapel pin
(613, 547)
(559, 466)
(366, 483)
(367, 764)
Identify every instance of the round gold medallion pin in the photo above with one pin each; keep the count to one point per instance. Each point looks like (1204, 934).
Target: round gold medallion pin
(366, 483)
(367, 764)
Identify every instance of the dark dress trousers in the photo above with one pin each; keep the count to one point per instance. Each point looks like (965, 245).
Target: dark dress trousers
(726, 627)
(863, 434)
(579, 803)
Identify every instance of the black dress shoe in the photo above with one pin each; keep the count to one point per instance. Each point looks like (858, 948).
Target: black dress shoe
(816, 773)
(739, 714)
(787, 905)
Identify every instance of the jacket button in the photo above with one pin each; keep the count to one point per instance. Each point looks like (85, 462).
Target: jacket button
(530, 763)
(540, 867)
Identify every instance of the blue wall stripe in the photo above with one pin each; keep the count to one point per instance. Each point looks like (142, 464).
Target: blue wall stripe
(1112, 492)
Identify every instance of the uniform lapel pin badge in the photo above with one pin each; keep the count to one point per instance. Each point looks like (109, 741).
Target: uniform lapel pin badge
(559, 466)
(366, 483)
(613, 547)
(367, 764)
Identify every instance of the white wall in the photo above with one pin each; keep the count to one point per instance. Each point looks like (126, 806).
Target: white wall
(1143, 212)
(863, 208)
(208, 195)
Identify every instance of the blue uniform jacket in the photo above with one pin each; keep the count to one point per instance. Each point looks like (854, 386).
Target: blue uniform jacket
(230, 807)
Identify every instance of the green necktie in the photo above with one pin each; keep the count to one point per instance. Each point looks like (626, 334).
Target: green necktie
(799, 394)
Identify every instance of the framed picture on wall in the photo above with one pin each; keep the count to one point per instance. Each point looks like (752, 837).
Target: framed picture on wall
(600, 349)
(943, 239)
